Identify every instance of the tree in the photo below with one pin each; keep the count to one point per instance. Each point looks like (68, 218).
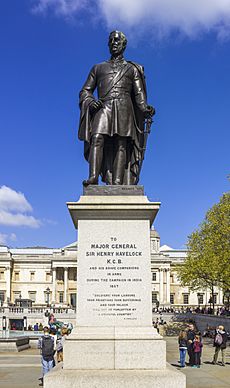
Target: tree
(208, 260)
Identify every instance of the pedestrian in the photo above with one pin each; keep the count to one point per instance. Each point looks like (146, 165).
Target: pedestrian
(197, 348)
(182, 340)
(60, 344)
(40, 327)
(54, 335)
(156, 325)
(36, 327)
(46, 346)
(190, 339)
(220, 341)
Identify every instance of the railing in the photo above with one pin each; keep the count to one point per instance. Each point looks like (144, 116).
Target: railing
(36, 310)
(15, 310)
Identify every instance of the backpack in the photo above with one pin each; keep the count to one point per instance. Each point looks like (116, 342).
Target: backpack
(47, 347)
(218, 339)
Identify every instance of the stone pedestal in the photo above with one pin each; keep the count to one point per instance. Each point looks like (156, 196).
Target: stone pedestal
(114, 343)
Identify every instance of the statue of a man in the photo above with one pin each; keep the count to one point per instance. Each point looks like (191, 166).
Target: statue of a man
(112, 126)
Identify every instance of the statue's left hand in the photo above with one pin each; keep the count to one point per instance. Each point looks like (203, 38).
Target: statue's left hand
(95, 106)
(150, 111)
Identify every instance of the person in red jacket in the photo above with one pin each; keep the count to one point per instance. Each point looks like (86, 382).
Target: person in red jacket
(197, 348)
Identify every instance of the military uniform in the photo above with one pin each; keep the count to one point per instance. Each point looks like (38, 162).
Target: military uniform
(116, 117)
(121, 89)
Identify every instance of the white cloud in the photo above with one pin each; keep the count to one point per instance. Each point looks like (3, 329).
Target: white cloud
(18, 219)
(14, 208)
(4, 238)
(159, 18)
(60, 7)
(13, 200)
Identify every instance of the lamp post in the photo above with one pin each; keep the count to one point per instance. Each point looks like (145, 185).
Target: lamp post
(210, 304)
(25, 323)
(157, 304)
(48, 296)
(4, 322)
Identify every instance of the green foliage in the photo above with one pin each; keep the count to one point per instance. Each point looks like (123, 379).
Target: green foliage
(208, 261)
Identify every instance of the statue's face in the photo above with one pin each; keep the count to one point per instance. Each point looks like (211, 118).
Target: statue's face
(116, 45)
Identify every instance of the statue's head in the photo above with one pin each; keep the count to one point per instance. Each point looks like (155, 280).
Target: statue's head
(117, 42)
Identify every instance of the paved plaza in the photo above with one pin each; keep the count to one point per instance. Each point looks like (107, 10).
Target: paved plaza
(212, 376)
(22, 370)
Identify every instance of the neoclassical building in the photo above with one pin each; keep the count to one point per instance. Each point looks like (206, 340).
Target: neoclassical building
(48, 276)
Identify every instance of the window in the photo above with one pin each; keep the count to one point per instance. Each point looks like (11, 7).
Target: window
(47, 296)
(60, 274)
(2, 296)
(200, 298)
(61, 297)
(215, 298)
(154, 297)
(48, 276)
(171, 279)
(73, 274)
(172, 298)
(185, 298)
(154, 246)
(17, 295)
(73, 299)
(32, 296)
(32, 276)
(2, 275)
(16, 276)
(154, 276)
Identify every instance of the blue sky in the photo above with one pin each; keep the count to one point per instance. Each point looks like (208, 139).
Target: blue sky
(47, 48)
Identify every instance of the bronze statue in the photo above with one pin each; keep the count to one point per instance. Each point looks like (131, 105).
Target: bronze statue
(112, 126)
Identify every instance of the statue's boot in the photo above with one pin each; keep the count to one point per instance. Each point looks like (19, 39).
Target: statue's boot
(120, 161)
(95, 159)
(91, 181)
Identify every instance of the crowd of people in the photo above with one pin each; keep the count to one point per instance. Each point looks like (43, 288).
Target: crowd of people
(51, 344)
(190, 341)
(192, 310)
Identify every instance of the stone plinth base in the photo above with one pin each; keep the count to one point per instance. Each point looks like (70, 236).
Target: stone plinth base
(114, 344)
(14, 344)
(115, 378)
(114, 348)
(113, 190)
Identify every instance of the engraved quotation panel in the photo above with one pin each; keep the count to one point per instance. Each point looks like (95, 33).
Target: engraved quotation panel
(114, 276)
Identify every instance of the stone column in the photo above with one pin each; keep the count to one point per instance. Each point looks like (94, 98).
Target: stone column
(220, 296)
(54, 285)
(65, 284)
(8, 285)
(161, 288)
(168, 285)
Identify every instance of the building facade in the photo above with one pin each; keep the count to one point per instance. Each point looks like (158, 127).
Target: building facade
(48, 276)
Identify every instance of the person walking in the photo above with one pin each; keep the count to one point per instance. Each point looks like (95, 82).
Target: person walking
(220, 341)
(46, 346)
(197, 348)
(182, 340)
(60, 344)
(190, 339)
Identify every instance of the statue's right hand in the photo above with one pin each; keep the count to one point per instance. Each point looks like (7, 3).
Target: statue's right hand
(95, 106)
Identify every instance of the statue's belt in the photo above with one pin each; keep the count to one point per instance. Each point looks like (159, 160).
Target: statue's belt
(120, 96)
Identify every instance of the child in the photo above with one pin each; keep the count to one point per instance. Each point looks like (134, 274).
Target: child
(197, 347)
(182, 340)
